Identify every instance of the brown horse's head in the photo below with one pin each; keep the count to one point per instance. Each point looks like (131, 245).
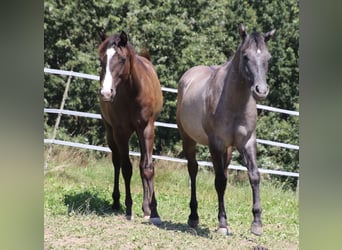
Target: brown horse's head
(253, 63)
(114, 53)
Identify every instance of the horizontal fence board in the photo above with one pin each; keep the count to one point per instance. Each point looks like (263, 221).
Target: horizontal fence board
(94, 77)
(159, 124)
(166, 158)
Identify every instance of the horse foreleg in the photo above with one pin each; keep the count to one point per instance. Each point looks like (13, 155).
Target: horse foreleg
(116, 164)
(249, 152)
(220, 157)
(127, 175)
(116, 191)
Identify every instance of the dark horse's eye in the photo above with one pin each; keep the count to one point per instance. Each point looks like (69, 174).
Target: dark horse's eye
(245, 57)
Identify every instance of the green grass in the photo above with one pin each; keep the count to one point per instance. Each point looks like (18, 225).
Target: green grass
(77, 209)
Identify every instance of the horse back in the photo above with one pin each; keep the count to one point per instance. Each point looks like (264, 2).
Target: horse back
(193, 81)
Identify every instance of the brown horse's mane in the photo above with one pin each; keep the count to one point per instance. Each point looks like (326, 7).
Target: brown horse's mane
(145, 53)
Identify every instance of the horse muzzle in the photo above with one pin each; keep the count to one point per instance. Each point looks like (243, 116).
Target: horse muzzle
(260, 91)
(107, 96)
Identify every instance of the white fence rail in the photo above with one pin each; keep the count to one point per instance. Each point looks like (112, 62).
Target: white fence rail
(94, 77)
(161, 124)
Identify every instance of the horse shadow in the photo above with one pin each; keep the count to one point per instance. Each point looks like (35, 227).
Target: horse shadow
(89, 203)
(185, 228)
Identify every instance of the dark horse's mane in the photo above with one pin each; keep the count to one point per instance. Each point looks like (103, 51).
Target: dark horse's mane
(257, 38)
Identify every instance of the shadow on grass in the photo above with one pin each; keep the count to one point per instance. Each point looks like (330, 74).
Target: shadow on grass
(185, 228)
(89, 203)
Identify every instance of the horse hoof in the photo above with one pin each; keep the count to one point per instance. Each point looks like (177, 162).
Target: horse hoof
(223, 230)
(146, 217)
(129, 217)
(155, 221)
(193, 223)
(116, 206)
(260, 248)
(256, 229)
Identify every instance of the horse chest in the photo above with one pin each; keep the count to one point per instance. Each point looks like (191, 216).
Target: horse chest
(232, 129)
(118, 113)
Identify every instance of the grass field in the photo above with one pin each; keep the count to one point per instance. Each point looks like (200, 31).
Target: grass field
(77, 213)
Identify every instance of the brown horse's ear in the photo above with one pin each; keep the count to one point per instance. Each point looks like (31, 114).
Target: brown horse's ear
(242, 31)
(123, 39)
(269, 35)
(102, 35)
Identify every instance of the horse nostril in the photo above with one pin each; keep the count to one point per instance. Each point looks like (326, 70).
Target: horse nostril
(261, 90)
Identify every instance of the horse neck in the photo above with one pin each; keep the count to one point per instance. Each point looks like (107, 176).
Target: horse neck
(134, 75)
(237, 87)
(131, 75)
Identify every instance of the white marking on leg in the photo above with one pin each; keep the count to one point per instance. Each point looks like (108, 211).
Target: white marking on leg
(107, 82)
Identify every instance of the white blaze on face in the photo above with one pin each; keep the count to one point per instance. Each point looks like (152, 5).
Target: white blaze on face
(258, 51)
(107, 82)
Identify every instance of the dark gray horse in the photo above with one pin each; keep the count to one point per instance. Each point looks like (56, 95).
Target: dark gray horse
(216, 106)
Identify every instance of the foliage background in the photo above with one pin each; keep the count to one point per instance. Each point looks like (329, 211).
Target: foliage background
(178, 35)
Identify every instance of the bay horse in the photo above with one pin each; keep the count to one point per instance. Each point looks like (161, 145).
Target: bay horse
(130, 101)
(216, 106)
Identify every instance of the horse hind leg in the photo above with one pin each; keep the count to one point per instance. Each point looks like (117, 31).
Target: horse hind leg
(189, 151)
(229, 155)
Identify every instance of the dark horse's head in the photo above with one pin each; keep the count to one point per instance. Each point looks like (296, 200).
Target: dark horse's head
(114, 53)
(254, 57)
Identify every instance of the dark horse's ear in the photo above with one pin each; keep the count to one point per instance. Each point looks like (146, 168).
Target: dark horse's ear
(123, 39)
(242, 31)
(269, 35)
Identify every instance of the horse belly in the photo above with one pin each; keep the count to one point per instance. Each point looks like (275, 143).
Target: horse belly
(191, 121)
